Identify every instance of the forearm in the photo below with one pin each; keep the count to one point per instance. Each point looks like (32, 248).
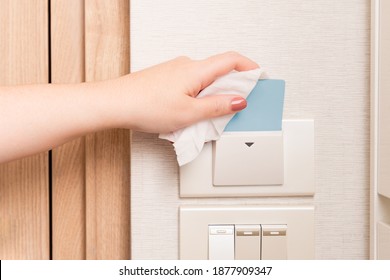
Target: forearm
(35, 118)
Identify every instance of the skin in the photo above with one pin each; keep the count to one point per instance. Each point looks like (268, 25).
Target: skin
(159, 99)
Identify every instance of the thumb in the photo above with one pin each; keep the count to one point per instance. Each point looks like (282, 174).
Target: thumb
(218, 105)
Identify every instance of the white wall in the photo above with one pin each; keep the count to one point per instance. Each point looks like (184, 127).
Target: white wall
(321, 49)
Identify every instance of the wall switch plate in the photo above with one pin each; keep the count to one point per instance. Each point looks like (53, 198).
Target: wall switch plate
(293, 223)
(196, 177)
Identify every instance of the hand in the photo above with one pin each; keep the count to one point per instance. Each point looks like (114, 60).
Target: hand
(162, 98)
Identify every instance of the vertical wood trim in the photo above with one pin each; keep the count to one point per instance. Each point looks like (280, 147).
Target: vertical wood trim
(68, 161)
(384, 100)
(374, 127)
(380, 134)
(24, 211)
(107, 55)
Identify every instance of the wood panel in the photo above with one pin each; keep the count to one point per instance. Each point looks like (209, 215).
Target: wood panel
(68, 161)
(24, 211)
(108, 152)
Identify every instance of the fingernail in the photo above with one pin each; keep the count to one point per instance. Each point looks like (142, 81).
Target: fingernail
(238, 103)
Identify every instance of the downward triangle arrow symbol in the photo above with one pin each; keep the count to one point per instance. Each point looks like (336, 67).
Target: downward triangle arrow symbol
(249, 144)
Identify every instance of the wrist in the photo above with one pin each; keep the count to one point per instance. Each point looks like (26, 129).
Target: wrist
(110, 103)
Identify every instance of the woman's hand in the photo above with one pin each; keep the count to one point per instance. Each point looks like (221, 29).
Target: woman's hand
(162, 98)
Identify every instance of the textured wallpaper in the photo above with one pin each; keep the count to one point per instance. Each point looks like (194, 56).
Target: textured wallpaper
(321, 49)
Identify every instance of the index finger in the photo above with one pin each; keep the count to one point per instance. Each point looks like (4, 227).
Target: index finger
(221, 64)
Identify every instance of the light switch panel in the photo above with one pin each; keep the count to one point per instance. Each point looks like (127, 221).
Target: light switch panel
(247, 242)
(274, 242)
(221, 242)
(288, 233)
(248, 158)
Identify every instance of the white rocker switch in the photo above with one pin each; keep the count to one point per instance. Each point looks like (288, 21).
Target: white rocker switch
(221, 242)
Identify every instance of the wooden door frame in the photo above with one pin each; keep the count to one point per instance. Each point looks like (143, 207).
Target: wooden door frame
(24, 183)
(91, 175)
(72, 202)
(68, 160)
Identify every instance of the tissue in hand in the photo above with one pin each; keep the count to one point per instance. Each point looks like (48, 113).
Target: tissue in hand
(189, 141)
